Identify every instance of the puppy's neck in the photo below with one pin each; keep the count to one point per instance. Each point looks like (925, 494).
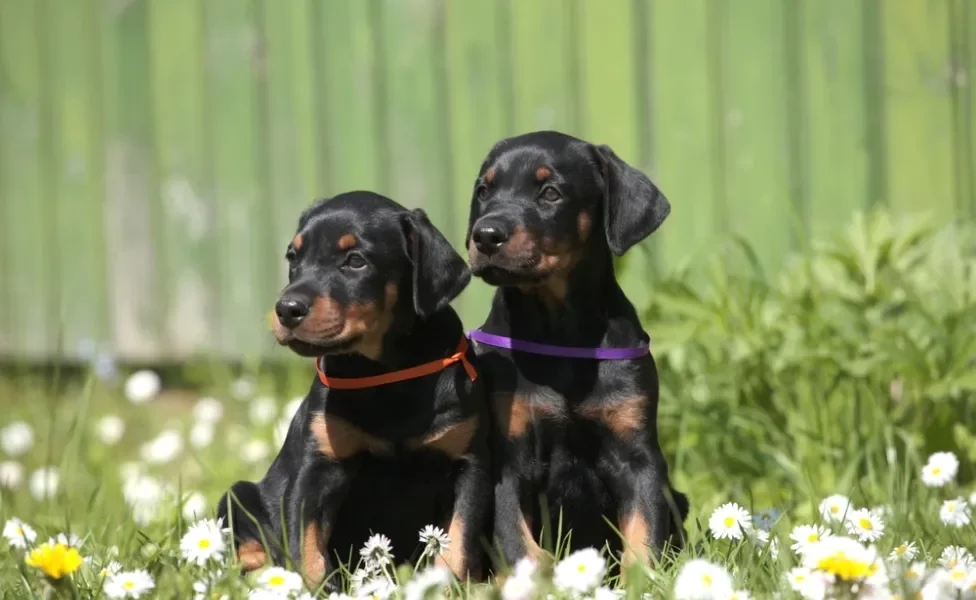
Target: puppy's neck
(408, 343)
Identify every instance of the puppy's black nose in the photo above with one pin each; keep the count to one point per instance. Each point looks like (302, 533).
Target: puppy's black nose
(291, 311)
(488, 238)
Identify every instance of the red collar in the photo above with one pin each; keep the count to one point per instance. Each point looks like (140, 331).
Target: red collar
(355, 383)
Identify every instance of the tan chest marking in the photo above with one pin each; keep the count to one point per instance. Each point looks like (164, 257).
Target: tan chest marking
(338, 439)
(454, 440)
(623, 417)
(516, 412)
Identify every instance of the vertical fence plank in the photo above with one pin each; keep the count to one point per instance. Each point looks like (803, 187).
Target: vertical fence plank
(418, 140)
(232, 44)
(190, 302)
(838, 146)
(757, 135)
(23, 230)
(685, 96)
(611, 74)
(136, 269)
(545, 97)
(480, 113)
(79, 180)
(293, 120)
(351, 117)
(918, 116)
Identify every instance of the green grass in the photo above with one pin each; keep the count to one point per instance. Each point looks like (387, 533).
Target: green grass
(840, 375)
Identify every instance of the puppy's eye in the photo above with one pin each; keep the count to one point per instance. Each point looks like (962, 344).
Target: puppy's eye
(481, 192)
(355, 262)
(551, 194)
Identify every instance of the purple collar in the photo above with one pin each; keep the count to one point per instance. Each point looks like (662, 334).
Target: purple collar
(565, 351)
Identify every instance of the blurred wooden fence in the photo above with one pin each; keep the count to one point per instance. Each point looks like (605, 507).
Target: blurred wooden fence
(154, 154)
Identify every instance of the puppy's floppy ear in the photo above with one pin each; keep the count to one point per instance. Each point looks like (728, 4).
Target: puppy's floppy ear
(439, 272)
(633, 207)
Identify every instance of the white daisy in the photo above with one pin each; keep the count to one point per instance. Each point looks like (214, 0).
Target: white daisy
(434, 539)
(579, 572)
(940, 469)
(255, 451)
(16, 438)
(377, 552)
(339, 596)
(764, 543)
(807, 583)
(282, 581)
(263, 594)
(959, 576)
(422, 583)
(263, 410)
(701, 580)
(956, 555)
(208, 410)
(128, 584)
(730, 521)
(905, 551)
(846, 559)
(605, 593)
(525, 567)
(739, 595)
(203, 542)
(44, 483)
(163, 448)
(11, 474)
(955, 513)
(378, 588)
(110, 429)
(804, 536)
(201, 434)
(864, 524)
(142, 386)
(518, 588)
(938, 586)
(972, 498)
(765, 519)
(18, 533)
(110, 568)
(835, 508)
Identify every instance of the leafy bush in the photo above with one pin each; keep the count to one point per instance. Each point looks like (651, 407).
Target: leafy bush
(859, 355)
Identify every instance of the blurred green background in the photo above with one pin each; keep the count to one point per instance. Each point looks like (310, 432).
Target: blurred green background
(155, 154)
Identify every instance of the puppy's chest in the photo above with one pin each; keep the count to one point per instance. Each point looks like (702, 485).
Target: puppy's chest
(447, 435)
(543, 413)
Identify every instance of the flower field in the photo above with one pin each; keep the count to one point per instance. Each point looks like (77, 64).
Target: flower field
(821, 421)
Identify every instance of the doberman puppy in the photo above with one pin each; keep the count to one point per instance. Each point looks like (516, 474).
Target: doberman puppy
(398, 438)
(575, 436)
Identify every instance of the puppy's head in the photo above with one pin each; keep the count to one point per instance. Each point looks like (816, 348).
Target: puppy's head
(358, 264)
(542, 198)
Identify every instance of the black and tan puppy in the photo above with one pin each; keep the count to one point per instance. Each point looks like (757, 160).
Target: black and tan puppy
(398, 439)
(575, 435)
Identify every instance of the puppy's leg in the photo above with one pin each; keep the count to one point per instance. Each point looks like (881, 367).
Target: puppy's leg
(639, 484)
(513, 528)
(320, 489)
(472, 498)
(244, 511)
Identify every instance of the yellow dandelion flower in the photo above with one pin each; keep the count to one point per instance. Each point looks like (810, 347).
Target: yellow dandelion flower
(54, 560)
